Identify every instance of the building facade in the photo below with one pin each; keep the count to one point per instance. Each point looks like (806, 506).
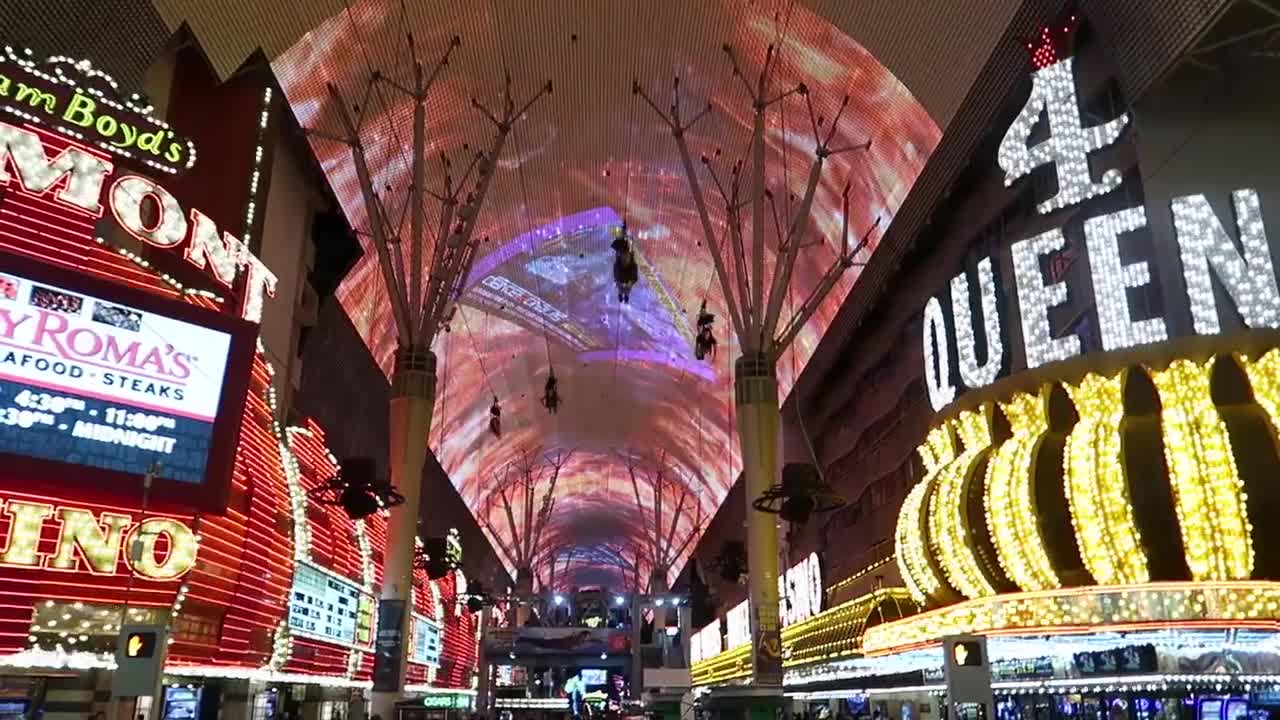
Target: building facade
(159, 276)
(1047, 401)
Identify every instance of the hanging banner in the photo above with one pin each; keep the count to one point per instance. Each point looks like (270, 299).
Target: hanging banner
(766, 647)
(389, 646)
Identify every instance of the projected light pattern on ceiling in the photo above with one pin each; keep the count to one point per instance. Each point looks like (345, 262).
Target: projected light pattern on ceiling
(541, 292)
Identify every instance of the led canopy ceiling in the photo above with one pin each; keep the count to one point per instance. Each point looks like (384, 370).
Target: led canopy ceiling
(541, 294)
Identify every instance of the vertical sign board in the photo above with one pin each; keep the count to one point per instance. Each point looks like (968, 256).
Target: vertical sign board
(388, 656)
(140, 655)
(766, 649)
(967, 671)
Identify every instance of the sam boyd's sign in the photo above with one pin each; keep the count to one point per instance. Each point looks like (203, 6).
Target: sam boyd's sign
(77, 98)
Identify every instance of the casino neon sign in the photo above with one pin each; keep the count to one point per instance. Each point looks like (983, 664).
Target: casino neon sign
(1242, 265)
(141, 206)
(156, 548)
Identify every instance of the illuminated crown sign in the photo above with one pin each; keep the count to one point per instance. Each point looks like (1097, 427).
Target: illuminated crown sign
(1053, 43)
(1053, 92)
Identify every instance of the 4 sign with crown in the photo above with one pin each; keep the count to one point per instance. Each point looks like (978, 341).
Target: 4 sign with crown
(1239, 262)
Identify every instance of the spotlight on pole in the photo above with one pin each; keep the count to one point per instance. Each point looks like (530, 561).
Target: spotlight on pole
(618, 600)
(558, 599)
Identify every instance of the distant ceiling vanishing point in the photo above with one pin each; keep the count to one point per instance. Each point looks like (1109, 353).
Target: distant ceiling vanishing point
(589, 156)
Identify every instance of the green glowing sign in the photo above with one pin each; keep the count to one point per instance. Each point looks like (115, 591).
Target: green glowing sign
(453, 701)
(85, 103)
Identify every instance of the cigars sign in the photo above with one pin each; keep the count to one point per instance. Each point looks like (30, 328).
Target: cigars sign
(1224, 272)
(36, 161)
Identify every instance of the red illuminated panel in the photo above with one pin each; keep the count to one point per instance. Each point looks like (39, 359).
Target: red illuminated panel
(242, 574)
(458, 659)
(56, 233)
(22, 587)
(334, 546)
(238, 586)
(333, 533)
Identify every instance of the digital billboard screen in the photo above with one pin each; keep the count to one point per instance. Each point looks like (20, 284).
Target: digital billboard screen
(108, 383)
(427, 641)
(327, 607)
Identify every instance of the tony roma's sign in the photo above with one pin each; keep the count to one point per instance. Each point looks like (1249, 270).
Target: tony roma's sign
(79, 99)
(1241, 265)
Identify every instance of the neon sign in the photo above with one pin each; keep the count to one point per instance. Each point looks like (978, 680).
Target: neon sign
(92, 542)
(1241, 265)
(800, 591)
(141, 206)
(84, 102)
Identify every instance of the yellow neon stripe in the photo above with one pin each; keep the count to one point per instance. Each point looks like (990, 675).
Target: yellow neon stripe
(917, 570)
(1096, 489)
(1207, 490)
(1264, 376)
(1012, 516)
(948, 525)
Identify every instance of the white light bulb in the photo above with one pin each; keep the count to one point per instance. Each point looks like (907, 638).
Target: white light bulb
(973, 374)
(1112, 280)
(1035, 299)
(1205, 247)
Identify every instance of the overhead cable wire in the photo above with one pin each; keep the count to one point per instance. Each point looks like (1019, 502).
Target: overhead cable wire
(524, 195)
(479, 355)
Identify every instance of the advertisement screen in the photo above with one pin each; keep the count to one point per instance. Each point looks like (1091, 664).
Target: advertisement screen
(594, 677)
(559, 279)
(99, 377)
(327, 607)
(426, 641)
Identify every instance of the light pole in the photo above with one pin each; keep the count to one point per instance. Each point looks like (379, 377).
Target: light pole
(754, 306)
(418, 312)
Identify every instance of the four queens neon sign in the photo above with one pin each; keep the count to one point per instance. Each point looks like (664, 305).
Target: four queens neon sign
(78, 179)
(1205, 247)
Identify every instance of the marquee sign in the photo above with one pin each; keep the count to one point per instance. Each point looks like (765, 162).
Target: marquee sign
(85, 103)
(327, 606)
(99, 384)
(77, 178)
(1242, 266)
(97, 542)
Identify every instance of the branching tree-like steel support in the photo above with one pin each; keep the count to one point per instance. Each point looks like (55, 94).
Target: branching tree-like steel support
(754, 305)
(525, 489)
(660, 530)
(608, 555)
(420, 293)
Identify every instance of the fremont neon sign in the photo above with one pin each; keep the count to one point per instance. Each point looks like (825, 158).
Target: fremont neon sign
(1207, 251)
(93, 542)
(141, 206)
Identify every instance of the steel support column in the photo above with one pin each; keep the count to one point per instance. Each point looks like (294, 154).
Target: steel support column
(413, 389)
(755, 394)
